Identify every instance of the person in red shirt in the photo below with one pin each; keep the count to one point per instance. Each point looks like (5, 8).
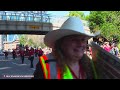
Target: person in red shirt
(26, 50)
(22, 54)
(36, 52)
(40, 52)
(31, 56)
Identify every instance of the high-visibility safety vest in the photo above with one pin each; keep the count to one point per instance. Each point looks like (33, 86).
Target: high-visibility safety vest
(48, 72)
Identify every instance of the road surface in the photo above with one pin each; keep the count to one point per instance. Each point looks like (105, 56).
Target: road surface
(14, 69)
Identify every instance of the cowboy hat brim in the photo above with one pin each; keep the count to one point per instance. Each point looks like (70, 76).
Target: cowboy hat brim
(54, 35)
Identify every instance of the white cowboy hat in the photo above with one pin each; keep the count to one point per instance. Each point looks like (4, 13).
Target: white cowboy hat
(73, 25)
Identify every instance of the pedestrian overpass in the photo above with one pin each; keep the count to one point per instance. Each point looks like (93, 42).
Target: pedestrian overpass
(25, 22)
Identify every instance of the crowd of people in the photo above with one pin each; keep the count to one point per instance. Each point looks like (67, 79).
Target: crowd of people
(111, 48)
(28, 52)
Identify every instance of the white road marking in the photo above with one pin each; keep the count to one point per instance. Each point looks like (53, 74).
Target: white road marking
(19, 64)
(33, 68)
(5, 60)
(5, 68)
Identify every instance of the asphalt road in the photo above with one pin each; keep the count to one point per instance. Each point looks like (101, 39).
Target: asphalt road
(14, 69)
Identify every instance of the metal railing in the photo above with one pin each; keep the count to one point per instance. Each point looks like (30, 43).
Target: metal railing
(34, 16)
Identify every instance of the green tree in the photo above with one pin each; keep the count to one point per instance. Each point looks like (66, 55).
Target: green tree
(30, 42)
(22, 39)
(77, 14)
(108, 22)
(87, 17)
(42, 45)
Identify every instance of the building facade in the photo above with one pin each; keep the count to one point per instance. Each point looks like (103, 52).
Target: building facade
(8, 46)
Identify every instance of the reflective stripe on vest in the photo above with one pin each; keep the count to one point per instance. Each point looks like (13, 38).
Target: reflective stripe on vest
(44, 67)
(67, 74)
(48, 68)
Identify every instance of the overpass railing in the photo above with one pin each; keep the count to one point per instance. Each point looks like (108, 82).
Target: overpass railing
(25, 16)
(24, 22)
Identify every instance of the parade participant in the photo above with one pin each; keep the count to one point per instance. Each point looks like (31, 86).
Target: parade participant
(40, 52)
(6, 54)
(67, 59)
(36, 52)
(31, 57)
(14, 53)
(27, 50)
(22, 54)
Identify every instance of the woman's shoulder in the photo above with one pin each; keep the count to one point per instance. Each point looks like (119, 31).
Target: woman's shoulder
(38, 73)
(50, 56)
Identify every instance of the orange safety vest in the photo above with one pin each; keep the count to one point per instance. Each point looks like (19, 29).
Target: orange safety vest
(46, 68)
(48, 72)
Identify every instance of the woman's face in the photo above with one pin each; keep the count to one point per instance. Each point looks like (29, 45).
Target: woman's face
(74, 46)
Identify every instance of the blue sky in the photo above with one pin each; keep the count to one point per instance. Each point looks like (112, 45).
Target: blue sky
(63, 13)
(11, 37)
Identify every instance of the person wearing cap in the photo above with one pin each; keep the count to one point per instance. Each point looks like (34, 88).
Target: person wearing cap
(67, 59)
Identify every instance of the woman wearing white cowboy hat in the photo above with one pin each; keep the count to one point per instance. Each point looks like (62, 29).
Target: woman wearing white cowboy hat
(67, 60)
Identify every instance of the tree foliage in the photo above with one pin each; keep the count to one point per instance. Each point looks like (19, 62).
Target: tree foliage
(22, 39)
(77, 14)
(108, 22)
(32, 40)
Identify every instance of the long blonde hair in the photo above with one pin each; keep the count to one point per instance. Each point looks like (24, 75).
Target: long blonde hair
(62, 61)
(59, 55)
